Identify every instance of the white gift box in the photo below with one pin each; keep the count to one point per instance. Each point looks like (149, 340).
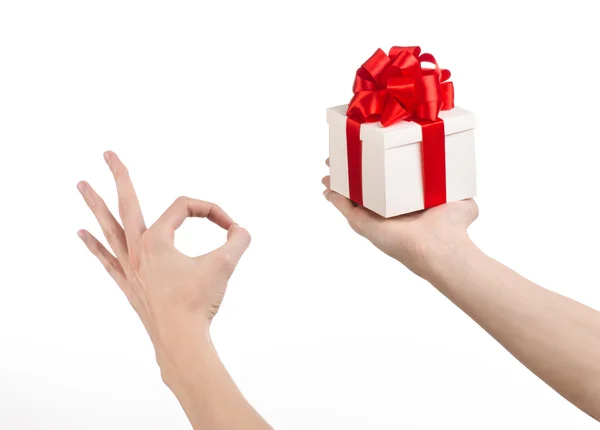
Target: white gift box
(392, 176)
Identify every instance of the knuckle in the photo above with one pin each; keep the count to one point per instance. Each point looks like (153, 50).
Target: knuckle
(225, 258)
(91, 201)
(148, 239)
(215, 207)
(226, 261)
(181, 201)
(214, 210)
(94, 247)
(111, 234)
(94, 202)
(110, 267)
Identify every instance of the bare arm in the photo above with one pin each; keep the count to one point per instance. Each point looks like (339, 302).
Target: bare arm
(557, 338)
(175, 296)
(205, 390)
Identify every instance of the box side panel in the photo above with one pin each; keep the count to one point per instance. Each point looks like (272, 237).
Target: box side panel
(403, 180)
(338, 157)
(460, 166)
(373, 168)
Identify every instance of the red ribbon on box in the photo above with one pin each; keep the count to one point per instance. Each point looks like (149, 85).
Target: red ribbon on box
(392, 88)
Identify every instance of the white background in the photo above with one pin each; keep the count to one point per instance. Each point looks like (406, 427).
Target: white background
(225, 101)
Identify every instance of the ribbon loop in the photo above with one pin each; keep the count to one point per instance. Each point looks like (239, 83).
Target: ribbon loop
(398, 79)
(378, 62)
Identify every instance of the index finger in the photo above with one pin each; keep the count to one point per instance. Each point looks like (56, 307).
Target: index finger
(186, 207)
(359, 218)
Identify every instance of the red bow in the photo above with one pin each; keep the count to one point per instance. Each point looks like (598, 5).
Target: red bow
(394, 87)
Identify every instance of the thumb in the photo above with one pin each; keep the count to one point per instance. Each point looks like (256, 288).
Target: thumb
(238, 240)
(468, 212)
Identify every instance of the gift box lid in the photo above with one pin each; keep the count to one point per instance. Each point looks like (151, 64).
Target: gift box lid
(404, 132)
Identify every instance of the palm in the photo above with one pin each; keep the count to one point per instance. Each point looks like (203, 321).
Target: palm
(413, 238)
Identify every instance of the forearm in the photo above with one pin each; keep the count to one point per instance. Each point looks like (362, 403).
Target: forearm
(555, 337)
(175, 296)
(205, 389)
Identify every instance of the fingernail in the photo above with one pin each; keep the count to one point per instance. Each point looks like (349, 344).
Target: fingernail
(81, 234)
(326, 193)
(81, 187)
(107, 157)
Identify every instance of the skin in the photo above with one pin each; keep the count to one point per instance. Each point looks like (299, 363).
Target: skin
(555, 337)
(176, 296)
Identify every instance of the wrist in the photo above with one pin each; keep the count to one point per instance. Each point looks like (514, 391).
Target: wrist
(182, 350)
(181, 368)
(449, 258)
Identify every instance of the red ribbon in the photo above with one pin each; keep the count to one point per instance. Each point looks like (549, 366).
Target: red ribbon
(392, 88)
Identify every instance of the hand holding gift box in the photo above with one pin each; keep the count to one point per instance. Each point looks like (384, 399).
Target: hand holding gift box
(401, 145)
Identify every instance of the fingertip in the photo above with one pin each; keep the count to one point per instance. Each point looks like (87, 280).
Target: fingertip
(81, 185)
(341, 203)
(239, 233)
(474, 208)
(327, 162)
(107, 156)
(82, 234)
(336, 198)
(113, 161)
(232, 228)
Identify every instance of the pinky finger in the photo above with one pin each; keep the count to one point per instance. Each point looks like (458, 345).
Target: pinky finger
(110, 263)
